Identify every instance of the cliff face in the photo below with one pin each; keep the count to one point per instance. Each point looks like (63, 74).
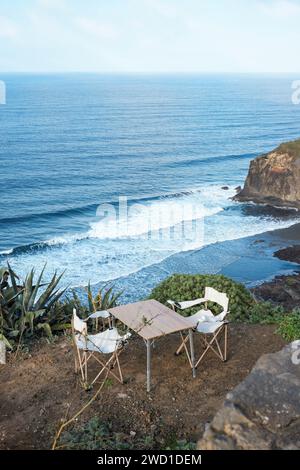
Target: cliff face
(274, 178)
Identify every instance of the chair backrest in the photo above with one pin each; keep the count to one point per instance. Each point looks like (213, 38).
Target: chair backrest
(220, 298)
(78, 325)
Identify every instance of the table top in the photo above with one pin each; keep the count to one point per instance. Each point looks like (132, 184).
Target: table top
(150, 319)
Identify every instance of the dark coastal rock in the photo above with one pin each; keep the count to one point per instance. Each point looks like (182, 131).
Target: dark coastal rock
(291, 253)
(283, 291)
(225, 188)
(263, 412)
(274, 178)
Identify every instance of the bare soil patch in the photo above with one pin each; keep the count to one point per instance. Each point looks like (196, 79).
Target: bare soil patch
(37, 388)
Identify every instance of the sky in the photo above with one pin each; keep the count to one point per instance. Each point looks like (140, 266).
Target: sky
(150, 36)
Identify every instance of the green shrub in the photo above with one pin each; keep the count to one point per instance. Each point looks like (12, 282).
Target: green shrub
(96, 435)
(289, 326)
(181, 287)
(264, 313)
(181, 445)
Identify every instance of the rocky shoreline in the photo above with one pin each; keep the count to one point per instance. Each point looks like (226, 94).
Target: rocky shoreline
(283, 290)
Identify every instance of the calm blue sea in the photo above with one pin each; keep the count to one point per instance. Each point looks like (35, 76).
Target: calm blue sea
(71, 142)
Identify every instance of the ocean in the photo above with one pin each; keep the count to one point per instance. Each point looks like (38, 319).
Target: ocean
(168, 143)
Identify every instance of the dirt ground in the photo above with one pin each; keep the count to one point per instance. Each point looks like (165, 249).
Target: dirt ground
(37, 388)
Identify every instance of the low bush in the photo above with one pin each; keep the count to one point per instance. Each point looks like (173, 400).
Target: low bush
(96, 435)
(289, 326)
(181, 287)
(264, 313)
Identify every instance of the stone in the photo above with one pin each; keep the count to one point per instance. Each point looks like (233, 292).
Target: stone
(274, 178)
(261, 413)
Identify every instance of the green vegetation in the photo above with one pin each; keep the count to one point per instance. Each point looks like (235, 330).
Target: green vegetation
(292, 148)
(182, 287)
(264, 313)
(33, 308)
(95, 435)
(289, 326)
(28, 309)
(104, 299)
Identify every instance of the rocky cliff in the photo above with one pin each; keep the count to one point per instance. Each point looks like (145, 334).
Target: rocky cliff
(263, 412)
(274, 178)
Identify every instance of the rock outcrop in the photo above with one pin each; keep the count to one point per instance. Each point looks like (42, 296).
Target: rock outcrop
(291, 253)
(263, 412)
(274, 178)
(283, 291)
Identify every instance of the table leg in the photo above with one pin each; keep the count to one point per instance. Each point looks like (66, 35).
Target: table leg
(192, 352)
(148, 365)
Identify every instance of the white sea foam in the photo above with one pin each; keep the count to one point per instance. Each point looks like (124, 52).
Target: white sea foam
(107, 252)
(6, 252)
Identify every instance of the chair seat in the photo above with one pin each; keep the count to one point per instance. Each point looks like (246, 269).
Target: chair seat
(207, 327)
(106, 342)
(201, 316)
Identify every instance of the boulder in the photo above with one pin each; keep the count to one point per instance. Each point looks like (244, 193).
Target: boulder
(274, 178)
(263, 412)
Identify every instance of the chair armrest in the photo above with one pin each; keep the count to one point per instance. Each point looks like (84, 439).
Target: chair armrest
(191, 303)
(173, 303)
(187, 304)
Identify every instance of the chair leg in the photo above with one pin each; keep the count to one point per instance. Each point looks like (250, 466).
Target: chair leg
(209, 346)
(85, 368)
(225, 343)
(119, 367)
(114, 359)
(219, 349)
(79, 363)
(184, 341)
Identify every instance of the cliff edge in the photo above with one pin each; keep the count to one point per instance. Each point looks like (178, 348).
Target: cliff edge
(274, 178)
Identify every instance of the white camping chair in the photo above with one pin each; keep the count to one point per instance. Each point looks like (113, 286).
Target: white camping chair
(207, 323)
(109, 343)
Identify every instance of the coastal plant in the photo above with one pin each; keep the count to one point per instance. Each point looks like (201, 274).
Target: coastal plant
(289, 326)
(94, 435)
(28, 308)
(104, 299)
(265, 313)
(181, 287)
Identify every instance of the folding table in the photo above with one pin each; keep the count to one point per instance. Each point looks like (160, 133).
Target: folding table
(152, 320)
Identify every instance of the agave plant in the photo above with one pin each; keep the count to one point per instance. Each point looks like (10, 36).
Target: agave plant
(27, 307)
(104, 299)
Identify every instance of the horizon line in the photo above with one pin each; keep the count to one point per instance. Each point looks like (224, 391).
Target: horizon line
(95, 72)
